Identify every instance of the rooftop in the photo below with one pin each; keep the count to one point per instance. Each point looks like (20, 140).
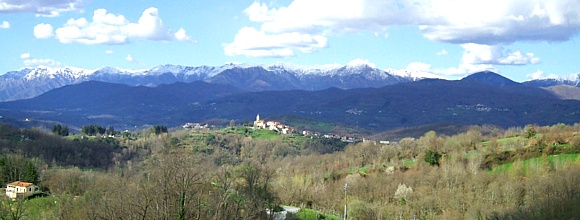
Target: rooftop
(20, 183)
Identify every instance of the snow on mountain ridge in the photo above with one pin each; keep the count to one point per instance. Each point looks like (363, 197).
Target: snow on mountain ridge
(49, 72)
(355, 67)
(413, 75)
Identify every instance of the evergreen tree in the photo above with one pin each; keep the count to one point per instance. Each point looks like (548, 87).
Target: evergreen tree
(31, 175)
(432, 157)
(158, 129)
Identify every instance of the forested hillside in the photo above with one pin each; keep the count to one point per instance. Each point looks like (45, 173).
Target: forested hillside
(239, 173)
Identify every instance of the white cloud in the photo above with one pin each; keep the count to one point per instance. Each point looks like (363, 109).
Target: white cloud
(309, 16)
(30, 61)
(181, 35)
(254, 43)
(539, 74)
(477, 58)
(109, 52)
(501, 22)
(130, 58)
(50, 8)
(536, 75)
(496, 55)
(43, 31)
(108, 28)
(5, 25)
(41, 62)
(460, 22)
(463, 69)
(519, 58)
(25, 56)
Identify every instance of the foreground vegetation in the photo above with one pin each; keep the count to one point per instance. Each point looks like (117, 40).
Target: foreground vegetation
(239, 173)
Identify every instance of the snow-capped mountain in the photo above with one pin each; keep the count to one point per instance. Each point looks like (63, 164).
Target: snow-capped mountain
(571, 80)
(28, 83)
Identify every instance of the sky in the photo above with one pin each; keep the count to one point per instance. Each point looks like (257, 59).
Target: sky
(520, 39)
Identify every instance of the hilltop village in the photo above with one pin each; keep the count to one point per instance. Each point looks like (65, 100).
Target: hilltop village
(280, 128)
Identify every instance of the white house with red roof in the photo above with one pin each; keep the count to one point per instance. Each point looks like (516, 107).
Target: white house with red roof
(20, 188)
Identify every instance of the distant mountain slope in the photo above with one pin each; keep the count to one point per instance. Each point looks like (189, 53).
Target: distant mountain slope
(489, 78)
(28, 83)
(109, 103)
(430, 101)
(405, 104)
(565, 91)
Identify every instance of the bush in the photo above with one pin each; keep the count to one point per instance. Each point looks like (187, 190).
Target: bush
(432, 157)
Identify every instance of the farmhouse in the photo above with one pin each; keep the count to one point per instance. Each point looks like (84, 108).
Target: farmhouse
(20, 188)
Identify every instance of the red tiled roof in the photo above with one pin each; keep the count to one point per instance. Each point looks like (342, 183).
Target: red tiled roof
(20, 183)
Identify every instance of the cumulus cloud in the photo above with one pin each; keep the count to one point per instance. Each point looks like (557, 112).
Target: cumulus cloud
(108, 28)
(462, 70)
(30, 61)
(109, 51)
(468, 21)
(536, 75)
(309, 16)
(25, 56)
(497, 55)
(452, 21)
(303, 27)
(41, 62)
(501, 22)
(5, 25)
(130, 58)
(181, 35)
(50, 8)
(478, 58)
(254, 43)
(43, 31)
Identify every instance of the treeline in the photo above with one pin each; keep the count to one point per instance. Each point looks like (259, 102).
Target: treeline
(172, 185)
(55, 150)
(93, 130)
(15, 167)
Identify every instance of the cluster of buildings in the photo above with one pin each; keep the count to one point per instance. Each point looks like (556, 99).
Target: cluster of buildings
(344, 138)
(284, 129)
(190, 125)
(272, 125)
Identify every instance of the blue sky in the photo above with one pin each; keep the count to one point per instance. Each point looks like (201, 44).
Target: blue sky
(520, 39)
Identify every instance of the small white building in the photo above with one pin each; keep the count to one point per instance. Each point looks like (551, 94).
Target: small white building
(17, 188)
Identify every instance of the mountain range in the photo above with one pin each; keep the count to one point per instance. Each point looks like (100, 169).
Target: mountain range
(481, 98)
(28, 83)
(31, 82)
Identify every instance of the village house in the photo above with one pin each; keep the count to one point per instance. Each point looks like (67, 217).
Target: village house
(20, 188)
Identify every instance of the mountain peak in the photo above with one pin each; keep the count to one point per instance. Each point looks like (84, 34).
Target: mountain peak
(489, 78)
(357, 63)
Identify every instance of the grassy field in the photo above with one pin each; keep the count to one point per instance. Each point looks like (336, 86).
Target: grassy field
(310, 214)
(535, 164)
(265, 134)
